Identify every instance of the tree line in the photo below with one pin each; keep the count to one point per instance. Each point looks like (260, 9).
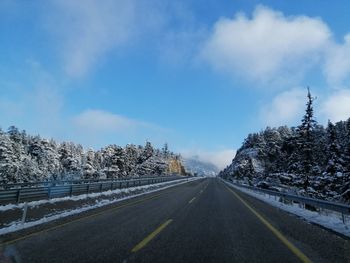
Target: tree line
(26, 158)
(310, 158)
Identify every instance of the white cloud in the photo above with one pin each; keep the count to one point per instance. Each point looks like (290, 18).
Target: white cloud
(85, 30)
(337, 66)
(337, 106)
(267, 46)
(98, 120)
(96, 128)
(285, 108)
(220, 158)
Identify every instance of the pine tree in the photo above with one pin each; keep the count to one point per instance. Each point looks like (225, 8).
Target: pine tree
(165, 151)
(30, 158)
(148, 150)
(131, 155)
(69, 165)
(305, 142)
(110, 166)
(334, 167)
(9, 166)
(88, 169)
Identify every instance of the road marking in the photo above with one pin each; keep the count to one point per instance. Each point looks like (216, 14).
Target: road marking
(2, 244)
(78, 219)
(192, 200)
(151, 236)
(278, 234)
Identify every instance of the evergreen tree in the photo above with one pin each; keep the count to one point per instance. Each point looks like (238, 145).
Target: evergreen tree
(30, 158)
(89, 170)
(334, 167)
(165, 150)
(148, 151)
(305, 142)
(9, 165)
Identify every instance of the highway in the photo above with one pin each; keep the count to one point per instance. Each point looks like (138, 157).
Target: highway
(200, 221)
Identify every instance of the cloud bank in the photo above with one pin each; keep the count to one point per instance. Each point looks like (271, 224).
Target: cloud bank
(266, 45)
(270, 47)
(220, 158)
(337, 106)
(285, 108)
(99, 120)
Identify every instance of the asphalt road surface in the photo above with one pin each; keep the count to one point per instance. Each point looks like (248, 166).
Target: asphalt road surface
(200, 221)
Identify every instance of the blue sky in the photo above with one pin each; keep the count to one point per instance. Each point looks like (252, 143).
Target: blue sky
(200, 76)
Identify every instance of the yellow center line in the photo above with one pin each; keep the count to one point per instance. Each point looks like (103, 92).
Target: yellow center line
(278, 234)
(151, 236)
(85, 217)
(145, 241)
(192, 200)
(80, 219)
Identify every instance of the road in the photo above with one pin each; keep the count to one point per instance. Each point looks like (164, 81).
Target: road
(201, 221)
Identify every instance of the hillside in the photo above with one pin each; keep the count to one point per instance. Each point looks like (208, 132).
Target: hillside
(175, 166)
(196, 166)
(309, 159)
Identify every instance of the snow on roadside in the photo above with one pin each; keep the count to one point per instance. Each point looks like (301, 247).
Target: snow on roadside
(85, 196)
(19, 226)
(332, 220)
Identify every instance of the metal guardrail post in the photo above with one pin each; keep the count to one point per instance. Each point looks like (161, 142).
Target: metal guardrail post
(24, 215)
(18, 195)
(101, 187)
(87, 188)
(111, 186)
(49, 193)
(71, 190)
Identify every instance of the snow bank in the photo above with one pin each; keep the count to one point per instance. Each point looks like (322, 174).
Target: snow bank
(329, 219)
(15, 226)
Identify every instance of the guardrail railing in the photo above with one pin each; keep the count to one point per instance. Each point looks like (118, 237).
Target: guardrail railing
(313, 202)
(65, 182)
(17, 195)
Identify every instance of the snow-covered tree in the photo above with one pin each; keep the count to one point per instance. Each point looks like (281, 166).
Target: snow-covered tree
(305, 143)
(70, 168)
(334, 168)
(31, 158)
(309, 158)
(88, 168)
(9, 163)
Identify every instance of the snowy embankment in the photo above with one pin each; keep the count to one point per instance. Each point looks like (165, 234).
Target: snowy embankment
(96, 200)
(328, 219)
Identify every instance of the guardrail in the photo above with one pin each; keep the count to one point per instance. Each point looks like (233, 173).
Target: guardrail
(312, 202)
(65, 182)
(52, 191)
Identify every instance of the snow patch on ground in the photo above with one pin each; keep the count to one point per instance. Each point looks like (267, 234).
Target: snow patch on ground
(329, 219)
(18, 225)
